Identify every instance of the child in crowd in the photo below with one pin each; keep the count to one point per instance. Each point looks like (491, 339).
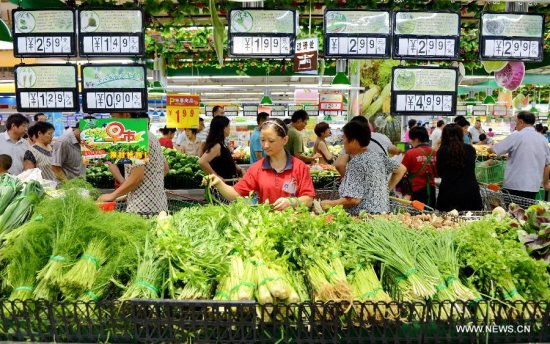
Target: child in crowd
(5, 163)
(167, 137)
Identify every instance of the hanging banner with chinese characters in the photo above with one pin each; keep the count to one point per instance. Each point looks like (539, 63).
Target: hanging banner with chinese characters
(114, 139)
(114, 88)
(182, 111)
(305, 58)
(46, 88)
(426, 35)
(331, 101)
(43, 33)
(262, 33)
(357, 34)
(424, 91)
(113, 32)
(511, 37)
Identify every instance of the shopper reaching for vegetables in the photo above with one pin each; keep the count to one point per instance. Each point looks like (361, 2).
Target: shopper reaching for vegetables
(365, 186)
(280, 178)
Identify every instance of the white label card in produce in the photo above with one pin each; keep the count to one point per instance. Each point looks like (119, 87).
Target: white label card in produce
(43, 33)
(104, 33)
(262, 33)
(426, 35)
(511, 37)
(357, 34)
(114, 88)
(424, 91)
(46, 88)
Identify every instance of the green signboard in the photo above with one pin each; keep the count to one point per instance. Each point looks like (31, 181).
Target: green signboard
(114, 139)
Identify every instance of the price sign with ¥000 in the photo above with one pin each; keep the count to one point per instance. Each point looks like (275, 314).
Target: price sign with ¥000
(182, 111)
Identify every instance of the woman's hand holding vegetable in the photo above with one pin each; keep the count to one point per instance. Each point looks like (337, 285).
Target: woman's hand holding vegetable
(107, 198)
(282, 203)
(212, 180)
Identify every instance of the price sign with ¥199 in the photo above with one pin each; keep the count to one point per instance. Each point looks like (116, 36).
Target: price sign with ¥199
(182, 111)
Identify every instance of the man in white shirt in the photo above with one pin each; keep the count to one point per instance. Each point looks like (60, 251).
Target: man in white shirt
(436, 134)
(475, 131)
(12, 142)
(529, 158)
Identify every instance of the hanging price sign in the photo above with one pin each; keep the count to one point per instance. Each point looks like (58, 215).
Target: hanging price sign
(182, 111)
(46, 88)
(426, 35)
(262, 33)
(509, 37)
(424, 91)
(357, 34)
(39, 33)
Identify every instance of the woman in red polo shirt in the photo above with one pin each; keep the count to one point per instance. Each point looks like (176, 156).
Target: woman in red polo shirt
(279, 179)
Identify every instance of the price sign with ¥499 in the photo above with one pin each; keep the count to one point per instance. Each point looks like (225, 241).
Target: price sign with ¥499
(182, 111)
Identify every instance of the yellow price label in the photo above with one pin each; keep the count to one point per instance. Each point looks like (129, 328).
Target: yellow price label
(182, 111)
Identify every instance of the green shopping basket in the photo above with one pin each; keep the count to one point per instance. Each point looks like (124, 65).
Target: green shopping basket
(490, 172)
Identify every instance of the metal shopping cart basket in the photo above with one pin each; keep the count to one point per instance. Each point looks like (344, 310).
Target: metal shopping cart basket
(492, 197)
(329, 191)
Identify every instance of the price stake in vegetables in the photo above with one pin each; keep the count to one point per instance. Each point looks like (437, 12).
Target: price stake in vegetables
(114, 139)
(182, 111)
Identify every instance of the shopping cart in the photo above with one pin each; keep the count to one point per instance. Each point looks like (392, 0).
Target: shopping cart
(493, 196)
(329, 191)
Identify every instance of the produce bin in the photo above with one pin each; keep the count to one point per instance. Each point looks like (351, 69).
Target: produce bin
(176, 202)
(174, 321)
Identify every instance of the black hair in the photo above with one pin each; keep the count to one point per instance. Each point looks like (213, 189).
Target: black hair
(299, 115)
(166, 131)
(193, 130)
(38, 115)
(453, 139)
(412, 123)
(5, 161)
(440, 123)
(419, 133)
(216, 134)
(462, 122)
(140, 115)
(360, 119)
(320, 128)
(31, 132)
(40, 128)
(357, 131)
(261, 117)
(287, 121)
(216, 108)
(482, 137)
(526, 116)
(490, 129)
(276, 124)
(458, 118)
(201, 119)
(16, 119)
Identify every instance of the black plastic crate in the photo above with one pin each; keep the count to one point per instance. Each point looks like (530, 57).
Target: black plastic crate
(177, 321)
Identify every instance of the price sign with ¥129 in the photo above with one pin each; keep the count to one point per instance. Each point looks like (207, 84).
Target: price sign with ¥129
(182, 111)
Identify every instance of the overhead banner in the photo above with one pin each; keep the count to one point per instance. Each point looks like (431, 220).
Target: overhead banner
(114, 88)
(114, 139)
(357, 34)
(182, 111)
(262, 33)
(426, 35)
(112, 32)
(46, 88)
(511, 37)
(423, 91)
(305, 58)
(43, 33)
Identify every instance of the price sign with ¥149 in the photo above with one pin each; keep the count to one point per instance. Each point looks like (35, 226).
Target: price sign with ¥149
(182, 111)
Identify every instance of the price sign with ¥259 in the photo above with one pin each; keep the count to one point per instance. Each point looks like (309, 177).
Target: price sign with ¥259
(182, 111)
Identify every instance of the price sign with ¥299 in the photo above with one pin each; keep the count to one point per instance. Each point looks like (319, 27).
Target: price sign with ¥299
(182, 111)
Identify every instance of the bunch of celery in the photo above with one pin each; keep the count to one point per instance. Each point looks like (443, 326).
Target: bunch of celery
(21, 207)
